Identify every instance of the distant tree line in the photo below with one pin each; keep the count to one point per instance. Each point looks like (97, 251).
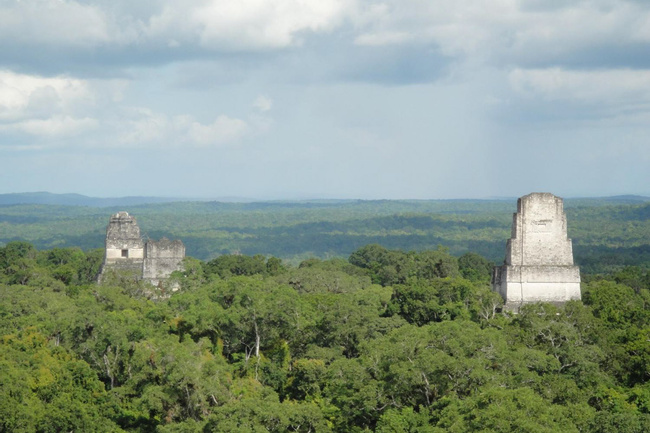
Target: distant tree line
(607, 235)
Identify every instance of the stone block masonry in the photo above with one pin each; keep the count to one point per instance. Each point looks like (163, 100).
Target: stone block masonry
(126, 251)
(539, 256)
(124, 245)
(161, 259)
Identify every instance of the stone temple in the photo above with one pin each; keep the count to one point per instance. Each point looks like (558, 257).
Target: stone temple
(127, 252)
(539, 256)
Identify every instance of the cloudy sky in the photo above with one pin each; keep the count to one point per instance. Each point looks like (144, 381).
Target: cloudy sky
(286, 99)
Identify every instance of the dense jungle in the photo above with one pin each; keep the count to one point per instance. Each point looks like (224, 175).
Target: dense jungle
(389, 327)
(607, 233)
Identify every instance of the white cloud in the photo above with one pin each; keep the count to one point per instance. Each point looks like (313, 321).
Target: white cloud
(504, 31)
(600, 86)
(54, 106)
(212, 24)
(46, 107)
(223, 130)
(51, 22)
(53, 127)
(141, 127)
(264, 23)
(24, 95)
(383, 38)
(598, 98)
(243, 24)
(263, 103)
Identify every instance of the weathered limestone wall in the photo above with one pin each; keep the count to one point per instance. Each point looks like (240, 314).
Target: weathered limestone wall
(116, 254)
(539, 233)
(538, 266)
(162, 258)
(124, 245)
(127, 252)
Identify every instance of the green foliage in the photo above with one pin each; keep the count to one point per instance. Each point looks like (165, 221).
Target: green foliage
(634, 277)
(508, 410)
(44, 388)
(21, 263)
(230, 265)
(616, 303)
(475, 267)
(608, 234)
(389, 341)
(405, 420)
(389, 267)
(425, 301)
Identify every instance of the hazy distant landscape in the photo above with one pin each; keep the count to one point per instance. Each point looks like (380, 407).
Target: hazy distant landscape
(606, 232)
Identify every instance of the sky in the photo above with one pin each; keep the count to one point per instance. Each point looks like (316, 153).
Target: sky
(301, 99)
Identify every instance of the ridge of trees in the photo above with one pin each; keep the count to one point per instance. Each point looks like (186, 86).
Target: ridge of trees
(386, 341)
(607, 235)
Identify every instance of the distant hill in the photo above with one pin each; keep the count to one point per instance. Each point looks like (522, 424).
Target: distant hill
(78, 199)
(607, 232)
(628, 198)
(605, 201)
(72, 199)
(82, 200)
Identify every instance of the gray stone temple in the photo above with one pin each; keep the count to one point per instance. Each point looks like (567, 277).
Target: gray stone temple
(539, 256)
(127, 252)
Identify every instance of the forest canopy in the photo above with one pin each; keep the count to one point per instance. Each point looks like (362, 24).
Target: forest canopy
(386, 340)
(608, 234)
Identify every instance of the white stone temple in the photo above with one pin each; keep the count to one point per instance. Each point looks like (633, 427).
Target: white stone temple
(539, 256)
(126, 251)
